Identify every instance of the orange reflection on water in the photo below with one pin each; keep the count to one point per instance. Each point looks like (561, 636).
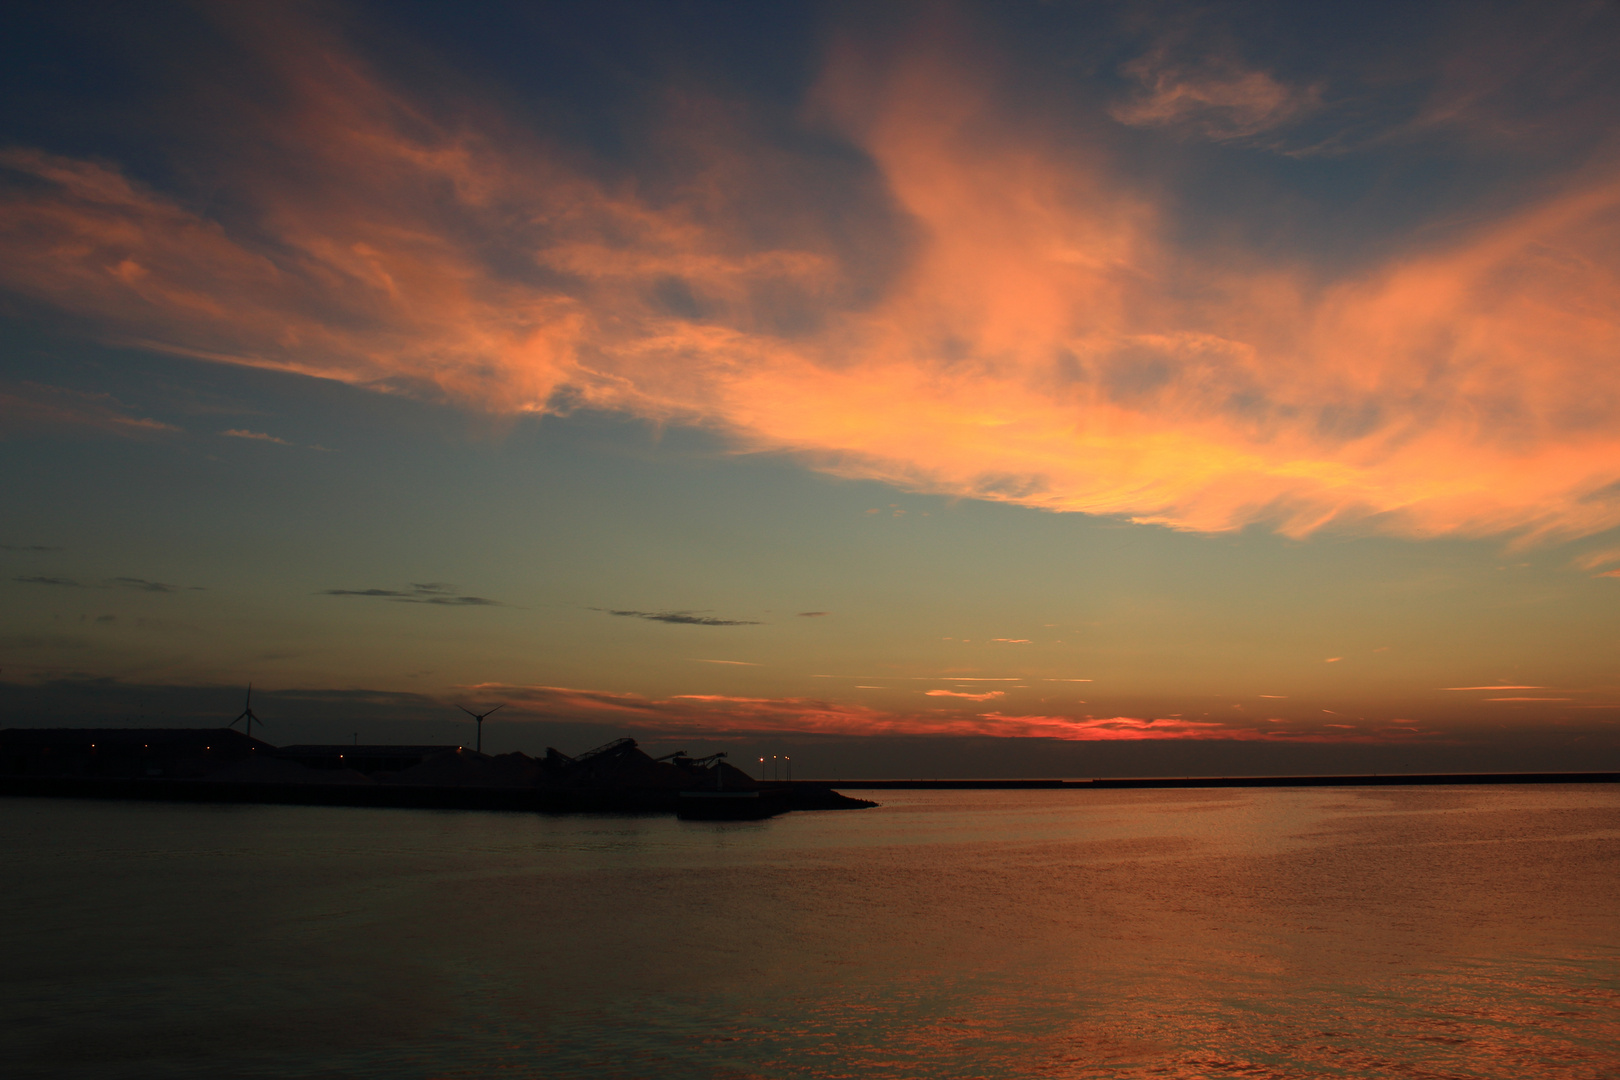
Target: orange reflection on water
(1361, 933)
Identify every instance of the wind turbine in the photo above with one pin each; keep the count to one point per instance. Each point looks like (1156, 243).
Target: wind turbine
(480, 718)
(247, 714)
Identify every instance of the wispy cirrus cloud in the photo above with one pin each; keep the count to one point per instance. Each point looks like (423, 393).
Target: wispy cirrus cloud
(34, 408)
(681, 618)
(988, 695)
(1215, 97)
(138, 584)
(426, 593)
(243, 433)
(145, 585)
(1592, 560)
(259, 436)
(1020, 325)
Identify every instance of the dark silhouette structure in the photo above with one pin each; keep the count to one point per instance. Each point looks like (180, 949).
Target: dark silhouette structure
(167, 753)
(225, 765)
(372, 759)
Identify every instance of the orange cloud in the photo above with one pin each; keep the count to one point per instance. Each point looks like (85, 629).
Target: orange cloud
(1594, 559)
(1492, 688)
(1027, 332)
(986, 696)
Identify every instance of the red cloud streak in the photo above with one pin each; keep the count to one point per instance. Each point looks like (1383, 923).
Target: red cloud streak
(725, 714)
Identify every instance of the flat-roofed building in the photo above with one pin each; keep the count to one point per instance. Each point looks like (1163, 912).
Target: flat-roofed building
(362, 758)
(123, 752)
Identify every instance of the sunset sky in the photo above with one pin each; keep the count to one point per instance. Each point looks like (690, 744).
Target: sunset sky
(1026, 388)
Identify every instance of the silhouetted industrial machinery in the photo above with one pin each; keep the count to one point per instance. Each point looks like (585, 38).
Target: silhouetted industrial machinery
(219, 764)
(622, 763)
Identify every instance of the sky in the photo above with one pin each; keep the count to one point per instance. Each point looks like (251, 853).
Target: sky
(1037, 389)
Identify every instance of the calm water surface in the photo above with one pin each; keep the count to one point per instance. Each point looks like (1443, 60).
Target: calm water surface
(1419, 932)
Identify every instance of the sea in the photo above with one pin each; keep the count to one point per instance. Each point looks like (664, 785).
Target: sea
(1417, 932)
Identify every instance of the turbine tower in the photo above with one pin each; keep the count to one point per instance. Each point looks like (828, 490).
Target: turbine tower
(247, 714)
(480, 718)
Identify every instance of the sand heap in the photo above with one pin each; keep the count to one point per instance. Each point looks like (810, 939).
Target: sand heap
(263, 769)
(623, 765)
(469, 768)
(619, 766)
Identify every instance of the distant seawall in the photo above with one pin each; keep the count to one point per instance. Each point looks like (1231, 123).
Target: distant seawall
(788, 795)
(1363, 780)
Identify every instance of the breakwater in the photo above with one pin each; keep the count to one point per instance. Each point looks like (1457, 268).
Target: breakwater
(1352, 780)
